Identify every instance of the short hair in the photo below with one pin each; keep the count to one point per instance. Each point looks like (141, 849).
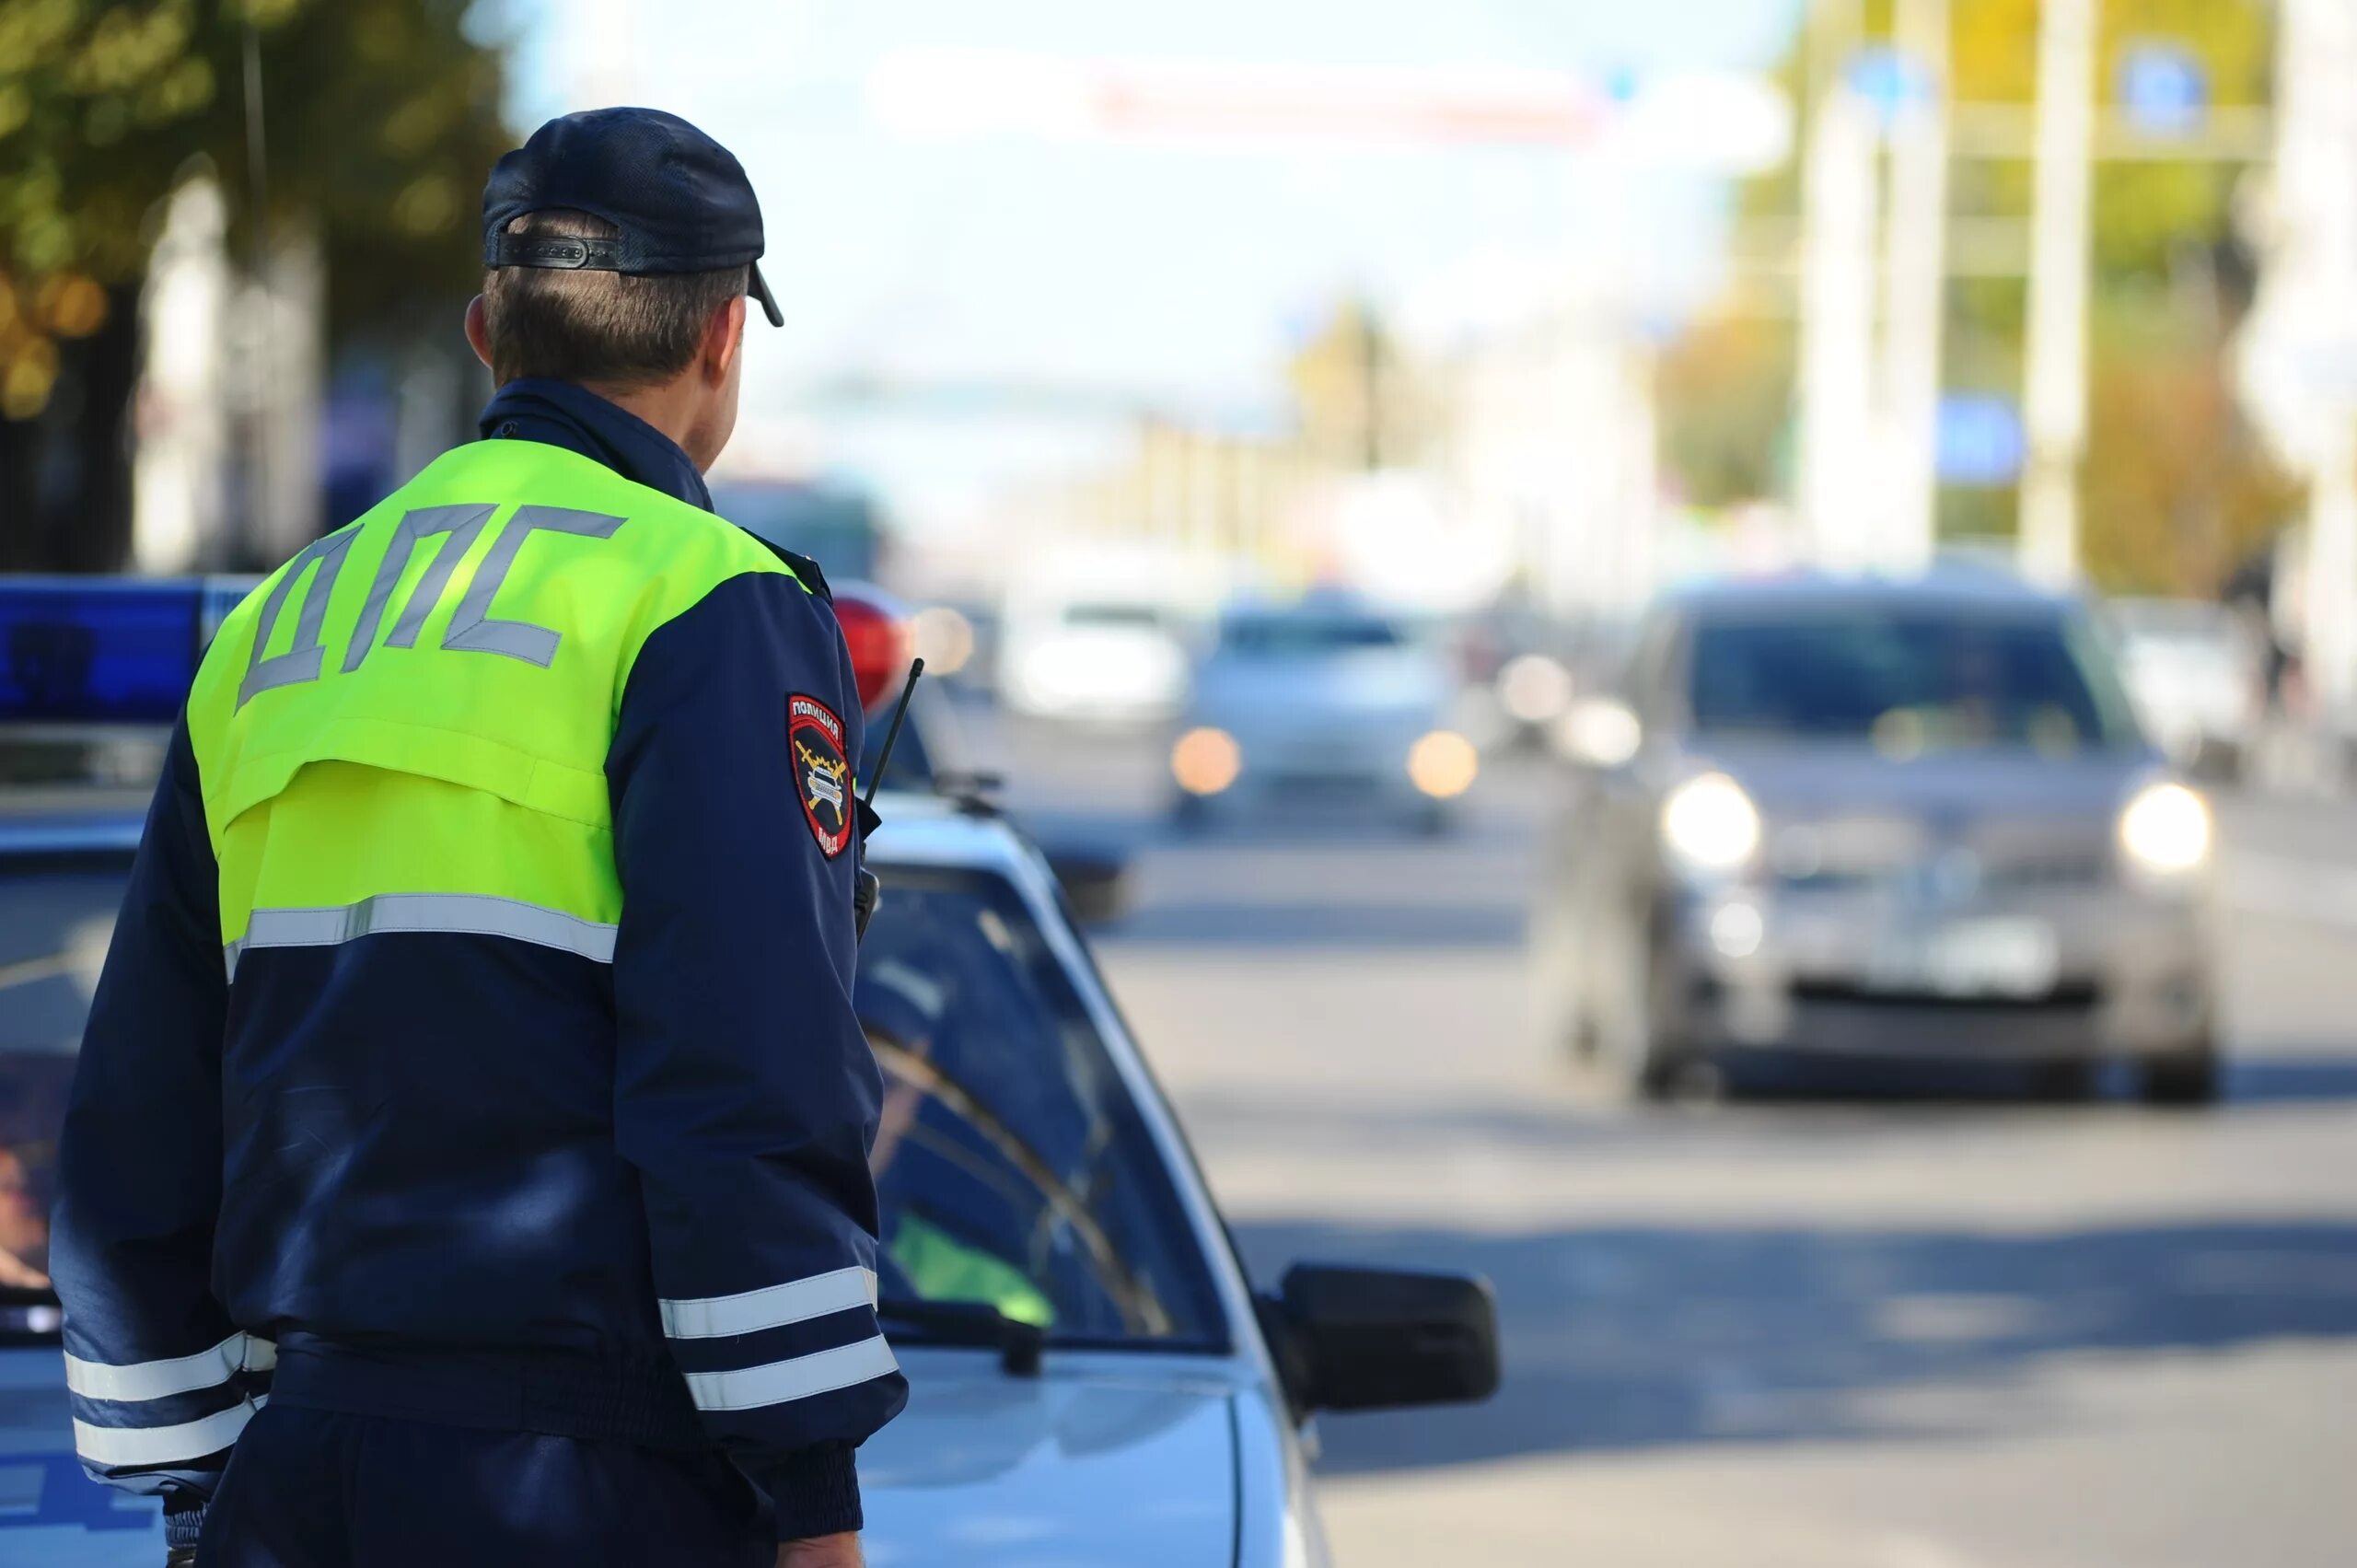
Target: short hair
(623, 330)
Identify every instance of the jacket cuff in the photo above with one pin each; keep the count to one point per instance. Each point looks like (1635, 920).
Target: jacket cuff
(814, 1491)
(183, 1519)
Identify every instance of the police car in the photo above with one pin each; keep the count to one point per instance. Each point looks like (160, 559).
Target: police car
(1093, 1379)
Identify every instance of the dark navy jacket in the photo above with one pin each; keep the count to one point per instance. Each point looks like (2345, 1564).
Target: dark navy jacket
(437, 1174)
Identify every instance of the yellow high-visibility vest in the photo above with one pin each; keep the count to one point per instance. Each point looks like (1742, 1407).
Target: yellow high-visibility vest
(405, 727)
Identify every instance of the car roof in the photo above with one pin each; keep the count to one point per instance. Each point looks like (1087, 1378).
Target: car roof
(74, 820)
(940, 830)
(919, 829)
(1964, 585)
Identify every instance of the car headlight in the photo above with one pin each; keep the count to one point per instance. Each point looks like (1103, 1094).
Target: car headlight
(1443, 764)
(1709, 823)
(1206, 761)
(2165, 829)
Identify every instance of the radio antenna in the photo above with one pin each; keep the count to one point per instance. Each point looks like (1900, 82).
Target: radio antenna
(892, 735)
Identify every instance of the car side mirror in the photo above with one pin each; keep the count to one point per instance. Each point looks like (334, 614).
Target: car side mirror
(1599, 732)
(1378, 1339)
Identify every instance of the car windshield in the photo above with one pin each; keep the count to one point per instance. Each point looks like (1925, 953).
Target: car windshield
(1907, 679)
(1014, 1165)
(1306, 636)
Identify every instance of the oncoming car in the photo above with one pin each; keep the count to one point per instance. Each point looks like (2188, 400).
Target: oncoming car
(1085, 1352)
(1329, 700)
(1878, 818)
(1103, 658)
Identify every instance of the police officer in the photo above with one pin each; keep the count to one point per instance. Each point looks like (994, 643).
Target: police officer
(467, 1159)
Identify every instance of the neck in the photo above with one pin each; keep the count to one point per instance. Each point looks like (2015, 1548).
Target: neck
(670, 407)
(599, 427)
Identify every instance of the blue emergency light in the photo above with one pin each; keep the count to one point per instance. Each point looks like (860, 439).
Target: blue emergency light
(78, 651)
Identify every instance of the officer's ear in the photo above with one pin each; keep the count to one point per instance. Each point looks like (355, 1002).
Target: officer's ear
(478, 331)
(722, 336)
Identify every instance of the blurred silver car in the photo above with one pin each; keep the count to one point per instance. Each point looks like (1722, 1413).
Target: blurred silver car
(1330, 698)
(1878, 818)
(2198, 674)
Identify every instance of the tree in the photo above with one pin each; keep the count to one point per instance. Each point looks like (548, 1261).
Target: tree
(1361, 403)
(1724, 387)
(380, 117)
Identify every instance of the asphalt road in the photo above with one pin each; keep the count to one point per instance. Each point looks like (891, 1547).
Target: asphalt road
(1922, 1324)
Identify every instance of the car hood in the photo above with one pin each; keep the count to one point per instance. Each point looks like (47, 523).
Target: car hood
(1105, 1458)
(1812, 782)
(1100, 1460)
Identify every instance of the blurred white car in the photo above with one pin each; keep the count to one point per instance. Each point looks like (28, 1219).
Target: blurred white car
(1329, 698)
(1100, 659)
(2196, 675)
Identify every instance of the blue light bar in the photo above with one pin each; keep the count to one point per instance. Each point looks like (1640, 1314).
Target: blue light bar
(78, 651)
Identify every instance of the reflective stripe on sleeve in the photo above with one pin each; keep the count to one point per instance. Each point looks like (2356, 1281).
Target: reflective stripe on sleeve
(773, 1307)
(469, 914)
(148, 1445)
(795, 1378)
(184, 1375)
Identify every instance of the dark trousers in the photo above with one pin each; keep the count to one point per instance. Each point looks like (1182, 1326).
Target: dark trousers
(325, 1489)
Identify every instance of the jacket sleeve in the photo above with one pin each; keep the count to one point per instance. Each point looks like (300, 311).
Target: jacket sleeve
(745, 1092)
(161, 1381)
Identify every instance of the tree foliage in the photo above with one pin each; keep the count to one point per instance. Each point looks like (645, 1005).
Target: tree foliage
(1723, 386)
(380, 117)
(1361, 403)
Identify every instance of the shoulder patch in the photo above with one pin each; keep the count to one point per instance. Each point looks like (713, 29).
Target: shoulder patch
(822, 772)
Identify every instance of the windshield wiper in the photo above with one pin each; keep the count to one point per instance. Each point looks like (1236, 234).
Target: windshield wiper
(974, 1323)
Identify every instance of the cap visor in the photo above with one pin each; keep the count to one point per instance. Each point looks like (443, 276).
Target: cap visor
(761, 291)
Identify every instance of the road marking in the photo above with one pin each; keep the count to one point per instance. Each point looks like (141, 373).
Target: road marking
(2296, 889)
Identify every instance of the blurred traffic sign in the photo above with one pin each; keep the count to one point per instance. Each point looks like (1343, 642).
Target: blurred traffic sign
(1891, 80)
(2162, 90)
(1980, 442)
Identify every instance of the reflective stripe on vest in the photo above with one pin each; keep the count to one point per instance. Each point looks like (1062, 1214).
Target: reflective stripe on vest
(405, 727)
(475, 914)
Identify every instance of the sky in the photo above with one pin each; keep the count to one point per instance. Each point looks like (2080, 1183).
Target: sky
(1180, 275)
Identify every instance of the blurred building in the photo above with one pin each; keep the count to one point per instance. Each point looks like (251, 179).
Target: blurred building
(1550, 451)
(2299, 351)
(178, 499)
(228, 472)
